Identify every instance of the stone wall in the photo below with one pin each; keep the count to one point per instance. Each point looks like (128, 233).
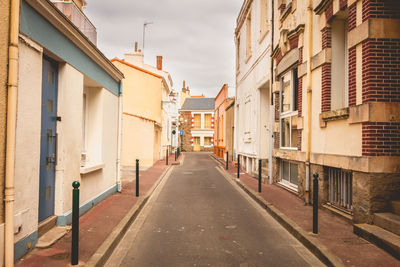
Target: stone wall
(186, 127)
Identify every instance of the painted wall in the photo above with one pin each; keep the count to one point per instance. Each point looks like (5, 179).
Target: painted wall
(27, 158)
(220, 117)
(230, 124)
(142, 113)
(252, 75)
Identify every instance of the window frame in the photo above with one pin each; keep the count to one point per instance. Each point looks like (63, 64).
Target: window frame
(292, 112)
(288, 183)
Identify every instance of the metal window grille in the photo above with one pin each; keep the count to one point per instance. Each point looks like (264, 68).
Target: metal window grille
(341, 189)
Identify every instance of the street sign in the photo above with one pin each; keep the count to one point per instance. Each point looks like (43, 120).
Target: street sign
(181, 132)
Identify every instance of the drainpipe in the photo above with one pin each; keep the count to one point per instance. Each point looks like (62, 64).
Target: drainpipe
(119, 139)
(271, 84)
(309, 93)
(11, 129)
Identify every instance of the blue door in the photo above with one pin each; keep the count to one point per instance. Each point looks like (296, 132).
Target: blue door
(48, 140)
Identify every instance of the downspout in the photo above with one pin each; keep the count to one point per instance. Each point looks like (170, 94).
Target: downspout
(271, 84)
(119, 139)
(309, 94)
(11, 130)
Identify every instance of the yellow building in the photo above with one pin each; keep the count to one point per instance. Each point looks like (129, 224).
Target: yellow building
(141, 118)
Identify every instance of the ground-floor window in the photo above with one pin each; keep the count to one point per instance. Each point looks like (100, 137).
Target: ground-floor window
(207, 141)
(340, 189)
(289, 174)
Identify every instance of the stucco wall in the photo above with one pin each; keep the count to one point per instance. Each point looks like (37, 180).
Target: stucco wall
(27, 158)
(138, 142)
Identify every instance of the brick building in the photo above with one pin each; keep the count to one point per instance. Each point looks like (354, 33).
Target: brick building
(336, 95)
(197, 123)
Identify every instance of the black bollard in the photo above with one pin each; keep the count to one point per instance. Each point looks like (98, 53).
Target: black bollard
(259, 175)
(166, 159)
(137, 178)
(238, 170)
(315, 203)
(75, 224)
(175, 155)
(227, 160)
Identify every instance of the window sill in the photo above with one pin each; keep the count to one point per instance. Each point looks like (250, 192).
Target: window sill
(92, 168)
(334, 115)
(291, 187)
(263, 35)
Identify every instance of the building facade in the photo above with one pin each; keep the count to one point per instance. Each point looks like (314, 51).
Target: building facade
(230, 128)
(220, 122)
(197, 123)
(252, 114)
(68, 119)
(337, 103)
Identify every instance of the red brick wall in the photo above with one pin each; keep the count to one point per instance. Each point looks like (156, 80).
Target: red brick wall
(342, 4)
(326, 87)
(294, 42)
(380, 9)
(381, 70)
(329, 12)
(300, 97)
(381, 139)
(352, 16)
(279, 57)
(352, 77)
(326, 37)
(186, 127)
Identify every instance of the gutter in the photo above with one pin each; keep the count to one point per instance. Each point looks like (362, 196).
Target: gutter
(271, 84)
(11, 132)
(119, 140)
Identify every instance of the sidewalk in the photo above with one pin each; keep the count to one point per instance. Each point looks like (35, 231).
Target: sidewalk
(335, 233)
(97, 224)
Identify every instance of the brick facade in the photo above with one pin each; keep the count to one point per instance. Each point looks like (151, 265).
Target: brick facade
(389, 9)
(352, 77)
(381, 139)
(326, 88)
(326, 37)
(352, 19)
(186, 127)
(381, 70)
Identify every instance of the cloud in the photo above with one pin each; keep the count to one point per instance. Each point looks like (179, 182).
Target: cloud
(195, 38)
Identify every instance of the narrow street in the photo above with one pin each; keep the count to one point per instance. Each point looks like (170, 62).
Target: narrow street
(197, 218)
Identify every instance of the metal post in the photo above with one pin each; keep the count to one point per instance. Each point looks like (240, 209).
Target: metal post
(238, 170)
(315, 203)
(259, 175)
(75, 224)
(227, 160)
(175, 155)
(166, 159)
(137, 178)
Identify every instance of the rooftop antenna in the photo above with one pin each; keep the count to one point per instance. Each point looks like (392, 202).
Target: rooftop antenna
(144, 30)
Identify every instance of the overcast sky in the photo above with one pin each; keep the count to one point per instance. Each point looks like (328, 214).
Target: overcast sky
(195, 38)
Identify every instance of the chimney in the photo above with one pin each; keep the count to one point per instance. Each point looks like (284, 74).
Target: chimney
(159, 62)
(184, 84)
(136, 58)
(136, 46)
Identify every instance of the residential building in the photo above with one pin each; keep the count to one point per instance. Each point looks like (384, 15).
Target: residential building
(230, 128)
(170, 104)
(220, 121)
(337, 105)
(253, 94)
(142, 119)
(197, 123)
(67, 129)
(4, 63)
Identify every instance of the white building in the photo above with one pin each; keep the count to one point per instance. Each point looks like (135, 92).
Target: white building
(252, 112)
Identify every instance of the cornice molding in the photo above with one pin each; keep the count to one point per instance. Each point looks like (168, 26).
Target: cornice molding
(242, 15)
(320, 8)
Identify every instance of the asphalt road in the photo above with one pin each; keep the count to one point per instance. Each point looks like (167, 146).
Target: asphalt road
(197, 218)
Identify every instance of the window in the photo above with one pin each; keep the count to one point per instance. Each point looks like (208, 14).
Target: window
(207, 121)
(289, 174)
(289, 107)
(263, 17)
(248, 35)
(340, 62)
(340, 187)
(197, 121)
(207, 141)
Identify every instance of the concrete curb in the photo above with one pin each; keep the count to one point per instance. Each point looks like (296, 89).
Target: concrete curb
(310, 242)
(100, 257)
